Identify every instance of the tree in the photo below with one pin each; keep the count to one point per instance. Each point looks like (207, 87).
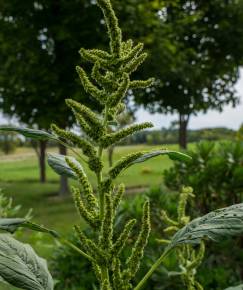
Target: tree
(39, 44)
(196, 49)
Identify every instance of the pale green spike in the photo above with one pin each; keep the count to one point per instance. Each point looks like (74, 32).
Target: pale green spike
(132, 53)
(113, 138)
(93, 250)
(168, 220)
(95, 164)
(117, 276)
(135, 63)
(198, 260)
(82, 210)
(186, 193)
(123, 163)
(106, 234)
(94, 55)
(83, 240)
(141, 84)
(171, 229)
(87, 114)
(133, 262)
(127, 46)
(92, 134)
(117, 97)
(87, 148)
(105, 285)
(90, 199)
(122, 239)
(118, 196)
(105, 81)
(90, 88)
(112, 25)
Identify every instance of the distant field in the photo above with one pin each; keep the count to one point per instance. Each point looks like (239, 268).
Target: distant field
(19, 178)
(19, 175)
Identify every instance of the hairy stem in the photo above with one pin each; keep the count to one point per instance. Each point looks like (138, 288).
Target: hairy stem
(71, 245)
(99, 175)
(152, 269)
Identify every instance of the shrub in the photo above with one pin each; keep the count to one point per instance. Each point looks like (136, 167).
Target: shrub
(219, 268)
(215, 173)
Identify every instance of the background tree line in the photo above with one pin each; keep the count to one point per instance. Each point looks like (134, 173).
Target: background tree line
(195, 51)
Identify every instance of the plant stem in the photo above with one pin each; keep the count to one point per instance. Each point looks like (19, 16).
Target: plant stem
(104, 274)
(152, 269)
(71, 149)
(71, 245)
(99, 175)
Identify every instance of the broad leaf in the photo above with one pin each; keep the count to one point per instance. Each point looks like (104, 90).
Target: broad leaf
(58, 163)
(30, 133)
(240, 287)
(12, 224)
(174, 155)
(215, 225)
(21, 267)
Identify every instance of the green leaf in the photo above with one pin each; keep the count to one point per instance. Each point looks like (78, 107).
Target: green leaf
(12, 224)
(240, 287)
(215, 226)
(58, 163)
(21, 267)
(30, 133)
(174, 155)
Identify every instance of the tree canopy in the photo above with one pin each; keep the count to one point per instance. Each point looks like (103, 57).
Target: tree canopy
(39, 44)
(195, 54)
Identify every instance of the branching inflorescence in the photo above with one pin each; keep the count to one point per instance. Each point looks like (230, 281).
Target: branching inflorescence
(189, 258)
(108, 83)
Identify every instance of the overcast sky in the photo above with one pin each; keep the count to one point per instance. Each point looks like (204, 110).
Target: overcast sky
(230, 117)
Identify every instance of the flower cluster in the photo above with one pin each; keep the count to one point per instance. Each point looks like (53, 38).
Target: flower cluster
(189, 258)
(108, 83)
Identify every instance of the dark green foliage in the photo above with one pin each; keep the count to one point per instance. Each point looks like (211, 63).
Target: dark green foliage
(214, 273)
(8, 142)
(72, 272)
(195, 55)
(215, 173)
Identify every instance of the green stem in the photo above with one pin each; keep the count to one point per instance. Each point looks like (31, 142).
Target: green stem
(74, 151)
(104, 274)
(99, 175)
(71, 245)
(152, 269)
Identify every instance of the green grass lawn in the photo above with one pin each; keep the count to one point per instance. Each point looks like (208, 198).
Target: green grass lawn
(19, 175)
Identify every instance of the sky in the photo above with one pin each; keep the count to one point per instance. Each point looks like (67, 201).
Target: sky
(230, 117)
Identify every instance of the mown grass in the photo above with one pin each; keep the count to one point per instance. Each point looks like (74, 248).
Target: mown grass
(19, 178)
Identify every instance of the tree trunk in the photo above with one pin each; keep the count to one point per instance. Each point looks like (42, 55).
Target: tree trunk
(64, 190)
(42, 160)
(110, 155)
(183, 123)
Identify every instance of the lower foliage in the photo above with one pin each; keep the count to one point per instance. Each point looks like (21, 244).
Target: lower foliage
(215, 173)
(219, 268)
